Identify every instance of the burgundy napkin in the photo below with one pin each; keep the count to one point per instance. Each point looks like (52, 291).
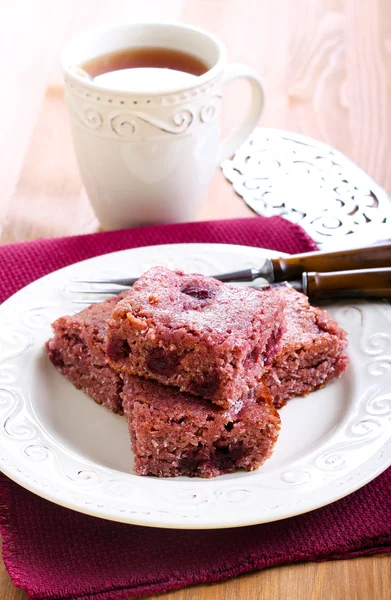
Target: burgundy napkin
(20, 264)
(53, 552)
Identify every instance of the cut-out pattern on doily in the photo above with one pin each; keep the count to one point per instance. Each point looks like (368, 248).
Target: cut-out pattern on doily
(307, 182)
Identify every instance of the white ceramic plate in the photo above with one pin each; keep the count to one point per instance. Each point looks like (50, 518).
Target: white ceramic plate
(58, 443)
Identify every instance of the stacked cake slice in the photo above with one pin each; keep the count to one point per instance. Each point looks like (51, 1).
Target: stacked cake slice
(311, 352)
(174, 433)
(78, 351)
(190, 361)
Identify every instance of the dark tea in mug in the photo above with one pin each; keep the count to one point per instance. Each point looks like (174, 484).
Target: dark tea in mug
(145, 57)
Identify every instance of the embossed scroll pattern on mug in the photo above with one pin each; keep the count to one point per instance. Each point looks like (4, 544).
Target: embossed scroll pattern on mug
(129, 118)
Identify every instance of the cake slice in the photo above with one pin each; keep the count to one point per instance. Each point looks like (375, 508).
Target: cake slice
(193, 332)
(311, 351)
(174, 434)
(77, 350)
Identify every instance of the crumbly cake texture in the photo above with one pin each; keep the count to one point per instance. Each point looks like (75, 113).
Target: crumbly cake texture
(311, 352)
(193, 332)
(175, 434)
(77, 350)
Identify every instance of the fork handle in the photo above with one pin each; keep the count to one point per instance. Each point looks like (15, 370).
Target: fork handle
(291, 267)
(363, 283)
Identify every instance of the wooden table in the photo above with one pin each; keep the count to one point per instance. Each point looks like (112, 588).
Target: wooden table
(326, 66)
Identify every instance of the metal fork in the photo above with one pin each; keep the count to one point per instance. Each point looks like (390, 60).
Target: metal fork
(123, 284)
(126, 283)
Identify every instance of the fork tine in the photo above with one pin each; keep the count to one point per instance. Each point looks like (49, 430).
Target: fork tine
(86, 302)
(109, 291)
(125, 282)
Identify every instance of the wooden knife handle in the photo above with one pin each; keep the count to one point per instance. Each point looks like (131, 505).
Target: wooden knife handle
(291, 267)
(363, 283)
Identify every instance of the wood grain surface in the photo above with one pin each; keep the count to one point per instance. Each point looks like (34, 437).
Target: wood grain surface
(326, 67)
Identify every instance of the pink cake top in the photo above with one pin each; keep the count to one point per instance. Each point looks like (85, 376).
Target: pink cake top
(305, 325)
(197, 303)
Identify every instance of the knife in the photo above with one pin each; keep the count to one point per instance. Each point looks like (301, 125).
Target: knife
(360, 283)
(287, 268)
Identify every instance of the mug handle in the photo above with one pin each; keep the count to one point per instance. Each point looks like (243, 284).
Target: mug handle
(241, 133)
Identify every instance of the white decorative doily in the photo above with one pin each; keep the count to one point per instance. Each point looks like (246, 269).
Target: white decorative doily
(287, 174)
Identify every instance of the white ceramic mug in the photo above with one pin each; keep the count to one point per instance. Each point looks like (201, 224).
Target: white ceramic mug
(147, 157)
